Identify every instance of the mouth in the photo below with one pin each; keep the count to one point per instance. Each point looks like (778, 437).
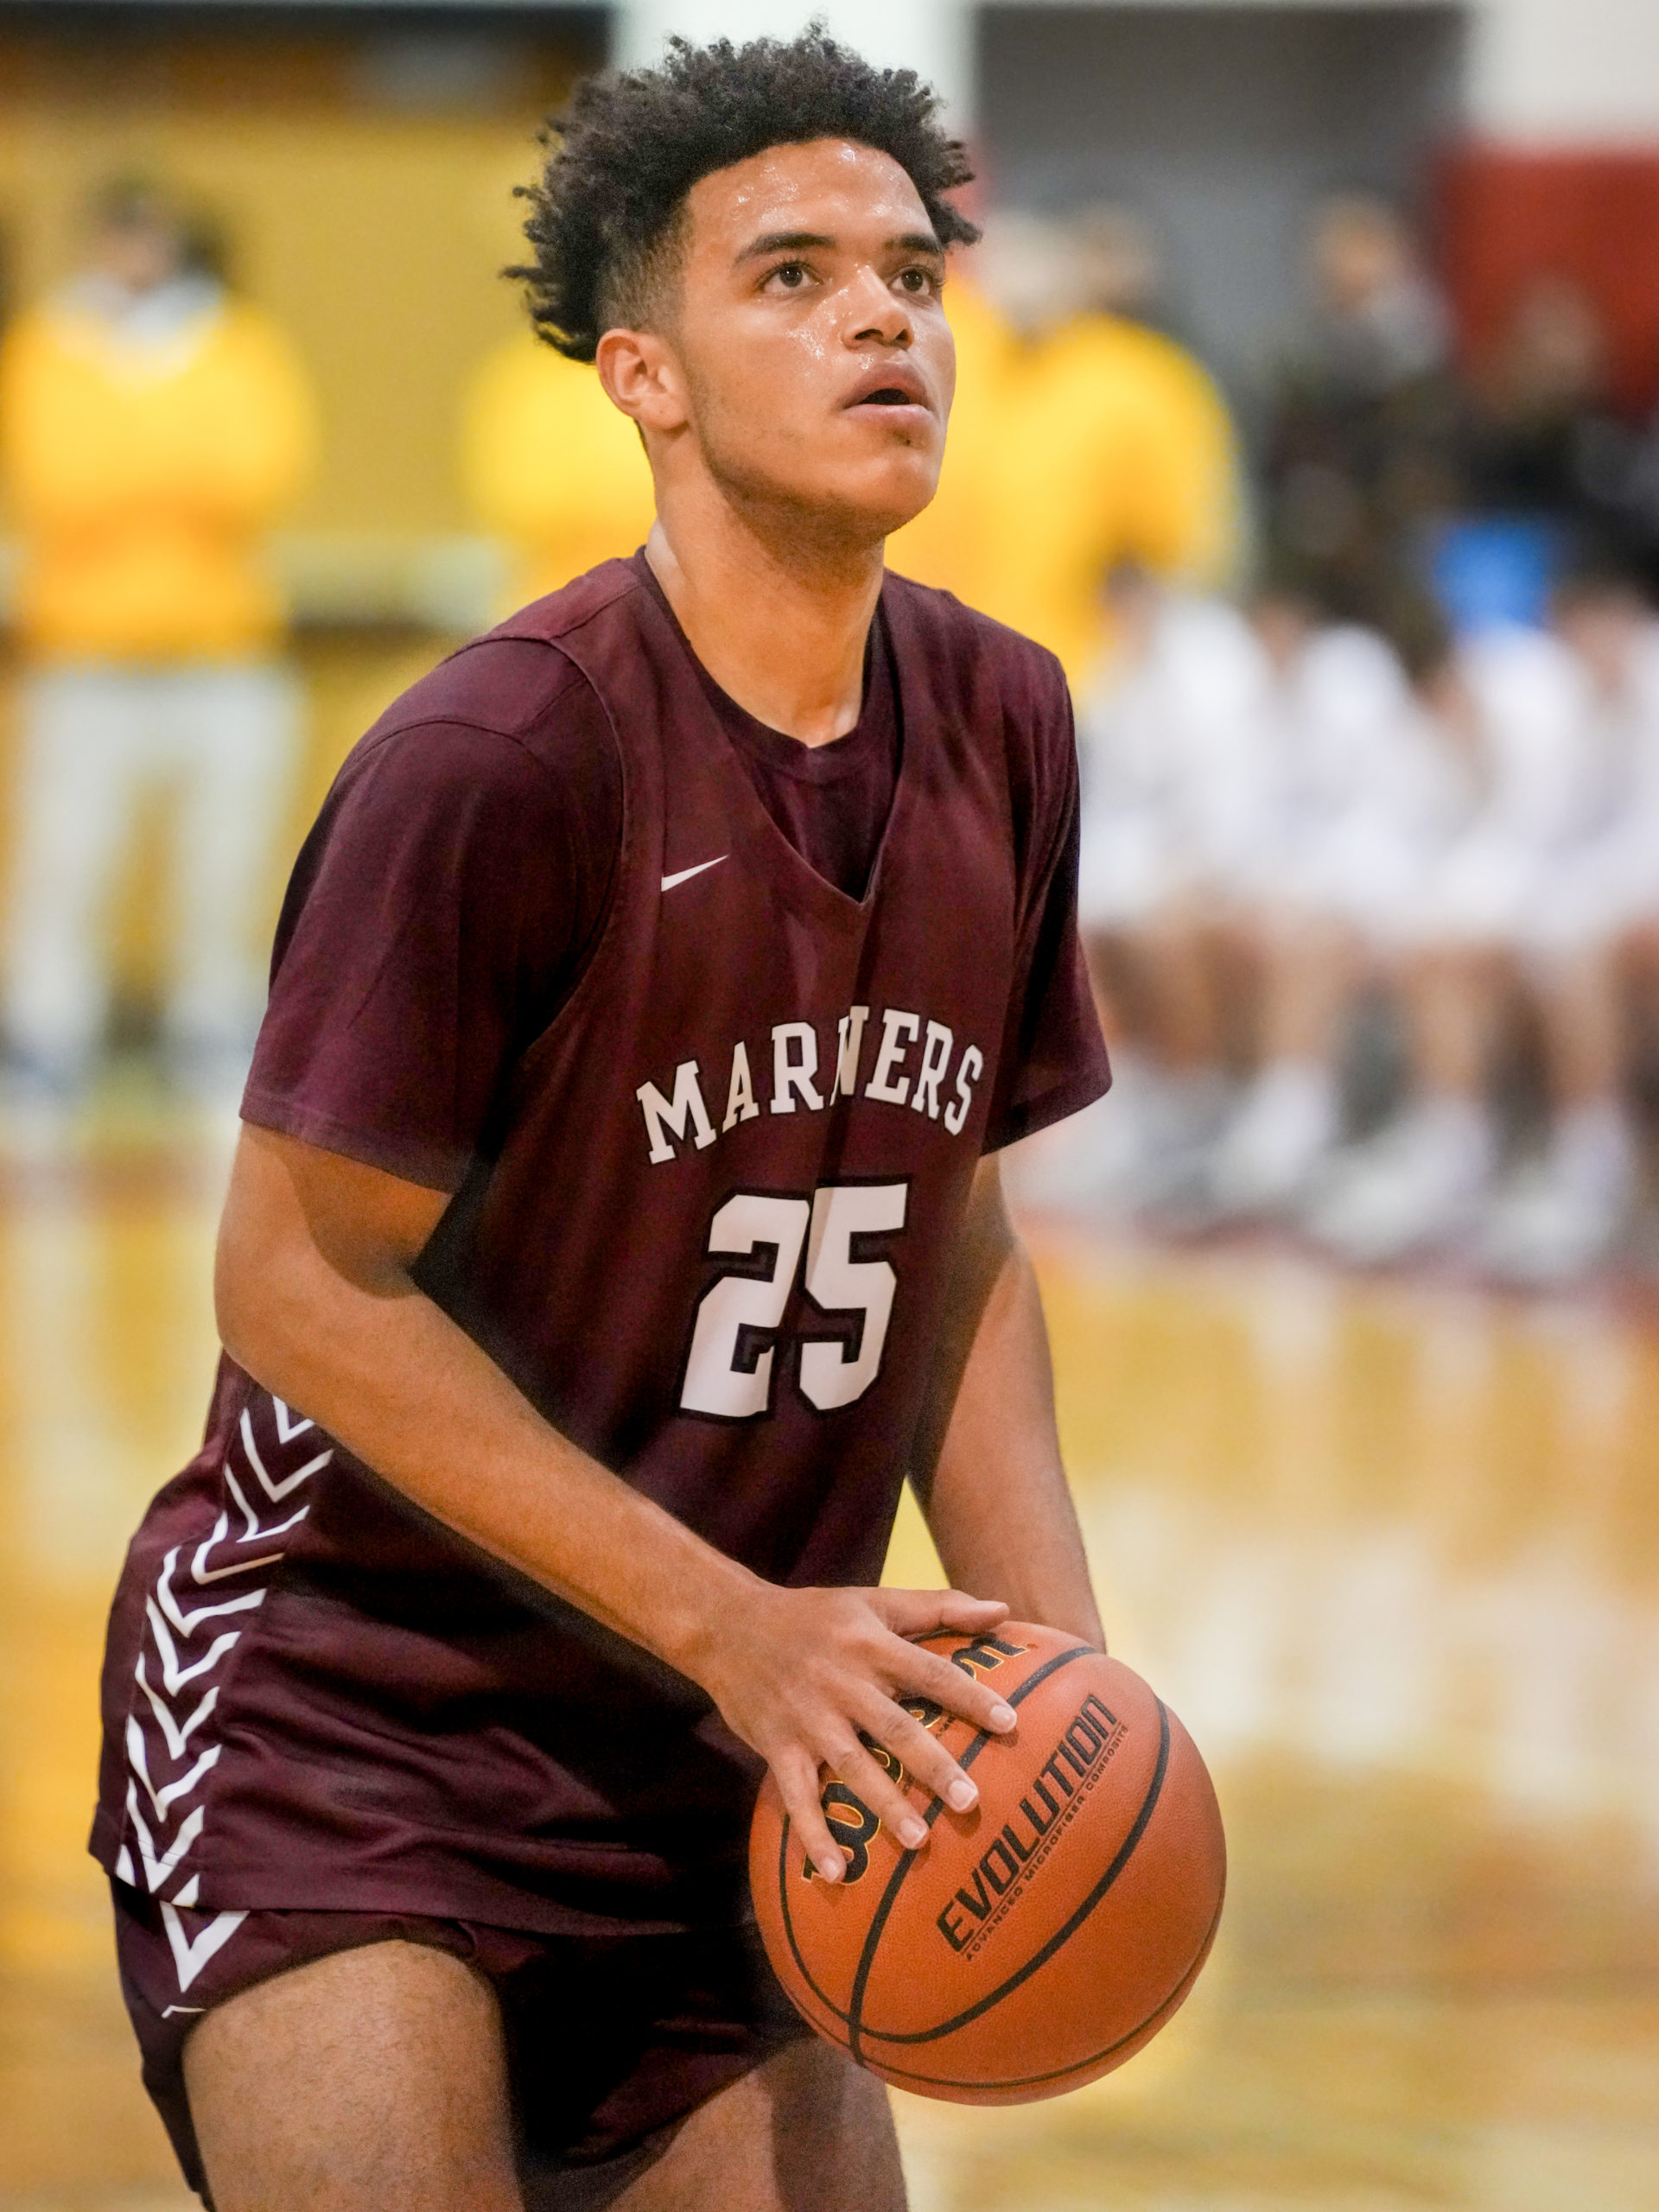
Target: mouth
(891, 388)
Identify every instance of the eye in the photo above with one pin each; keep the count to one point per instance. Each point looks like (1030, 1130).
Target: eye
(792, 275)
(918, 281)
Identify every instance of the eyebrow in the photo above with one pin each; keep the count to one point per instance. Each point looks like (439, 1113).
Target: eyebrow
(801, 241)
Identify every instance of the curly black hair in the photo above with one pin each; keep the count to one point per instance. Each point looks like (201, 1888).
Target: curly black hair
(605, 216)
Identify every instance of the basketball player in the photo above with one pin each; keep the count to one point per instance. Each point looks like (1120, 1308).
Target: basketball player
(616, 1225)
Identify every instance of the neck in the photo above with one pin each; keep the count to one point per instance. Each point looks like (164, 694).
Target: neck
(778, 620)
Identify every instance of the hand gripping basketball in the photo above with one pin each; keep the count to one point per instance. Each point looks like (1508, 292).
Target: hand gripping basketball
(843, 1681)
(1039, 1937)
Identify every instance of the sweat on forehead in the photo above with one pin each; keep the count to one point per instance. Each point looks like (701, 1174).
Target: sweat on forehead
(820, 197)
(607, 216)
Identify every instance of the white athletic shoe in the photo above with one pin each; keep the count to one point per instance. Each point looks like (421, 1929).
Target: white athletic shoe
(1130, 1152)
(1566, 1214)
(1417, 1187)
(1059, 1169)
(1275, 1142)
(1182, 1118)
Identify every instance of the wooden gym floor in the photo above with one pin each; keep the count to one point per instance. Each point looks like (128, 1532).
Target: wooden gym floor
(1390, 1551)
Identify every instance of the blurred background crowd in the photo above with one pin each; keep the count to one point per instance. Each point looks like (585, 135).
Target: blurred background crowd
(1342, 513)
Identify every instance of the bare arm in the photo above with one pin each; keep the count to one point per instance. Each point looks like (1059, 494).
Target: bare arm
(316, 1300)
(988, 1472)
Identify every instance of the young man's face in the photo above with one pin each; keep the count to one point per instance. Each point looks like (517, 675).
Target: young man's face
(819, 366)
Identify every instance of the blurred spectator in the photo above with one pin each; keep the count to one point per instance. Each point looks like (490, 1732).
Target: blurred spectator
(152, 427)
(1282, 824)
(1622, 466)
(1358, 800)
(548, 464)
(1540, 447)
(948, 543)
(1573, 1204)
(1120, 270)
(1362, 447)
(1082, 440)
(1532, 915)
(1540, 408)
(1172, 790)
(1261, 800)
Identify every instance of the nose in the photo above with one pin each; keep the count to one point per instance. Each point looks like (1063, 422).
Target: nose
(877, 314)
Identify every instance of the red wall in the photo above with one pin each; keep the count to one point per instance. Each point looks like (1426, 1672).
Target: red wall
(1506, 217)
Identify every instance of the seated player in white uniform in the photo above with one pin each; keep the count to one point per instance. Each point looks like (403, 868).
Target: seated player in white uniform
(1262, 799)
(1524, 909)
(1571, 1207)
(1173, 785)
(1361, 795)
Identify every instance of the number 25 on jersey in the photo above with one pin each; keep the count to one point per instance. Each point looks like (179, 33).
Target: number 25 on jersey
(728, 1370)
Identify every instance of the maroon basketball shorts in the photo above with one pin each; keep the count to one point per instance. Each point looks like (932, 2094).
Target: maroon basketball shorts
(611, 2041)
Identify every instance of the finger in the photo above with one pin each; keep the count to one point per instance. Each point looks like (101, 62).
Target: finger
(797, 1776)
(958, 1610)
(925, 1613)
(869, 1782)
(921, 1754)
(954, 1687)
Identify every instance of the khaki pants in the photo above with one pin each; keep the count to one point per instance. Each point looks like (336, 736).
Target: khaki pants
(220, 741)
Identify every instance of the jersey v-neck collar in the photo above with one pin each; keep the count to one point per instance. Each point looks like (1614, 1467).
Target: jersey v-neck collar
(739, 732)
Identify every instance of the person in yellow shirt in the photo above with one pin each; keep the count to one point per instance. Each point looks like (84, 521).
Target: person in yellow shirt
(1082, 443)
(548, 464)
(152, 429)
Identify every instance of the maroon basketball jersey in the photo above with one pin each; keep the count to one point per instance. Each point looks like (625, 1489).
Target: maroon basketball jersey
(709, 1243)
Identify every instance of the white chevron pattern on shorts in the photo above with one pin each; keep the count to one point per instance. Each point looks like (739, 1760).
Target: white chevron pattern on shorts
(164, 1848)
(191, 1954)
(278, 1491)
(288, 1426)
(175, 1676)
(170, 1794)
(177, 1736)
(203, 1572)
(161, 1869)
(256, 1534)
(185, 1623)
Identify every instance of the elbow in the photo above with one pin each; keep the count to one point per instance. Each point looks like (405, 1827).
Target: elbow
(238, 1313)
(257, 1304)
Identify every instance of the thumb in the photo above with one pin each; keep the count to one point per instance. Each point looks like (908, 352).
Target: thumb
(925, 1613)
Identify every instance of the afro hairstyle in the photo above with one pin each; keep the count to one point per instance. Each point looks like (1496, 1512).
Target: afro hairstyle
(606, 214)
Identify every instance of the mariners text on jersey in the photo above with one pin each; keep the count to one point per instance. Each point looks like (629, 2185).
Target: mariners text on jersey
(915, 1062)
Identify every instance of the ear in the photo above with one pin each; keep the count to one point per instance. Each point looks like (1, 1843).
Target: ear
(641, 377)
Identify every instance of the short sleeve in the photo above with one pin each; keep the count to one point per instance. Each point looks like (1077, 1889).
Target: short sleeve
(438, 914)
(1053, 1058)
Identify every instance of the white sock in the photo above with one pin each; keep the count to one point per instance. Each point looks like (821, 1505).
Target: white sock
(1457, 1134)
(1195, 1103)
(1293, 1102)
(1592, 1151)
(1131, 1069)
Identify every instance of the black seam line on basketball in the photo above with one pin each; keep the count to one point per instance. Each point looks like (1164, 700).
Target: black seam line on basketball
(1159, 2012)
(854, 2015)
(1126, 1851)
(805, 1971)
(984, 1736)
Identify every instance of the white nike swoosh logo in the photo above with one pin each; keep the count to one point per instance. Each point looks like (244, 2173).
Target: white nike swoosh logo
(685, 874)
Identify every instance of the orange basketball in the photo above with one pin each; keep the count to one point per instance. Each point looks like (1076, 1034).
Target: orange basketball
(1035, 1942)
